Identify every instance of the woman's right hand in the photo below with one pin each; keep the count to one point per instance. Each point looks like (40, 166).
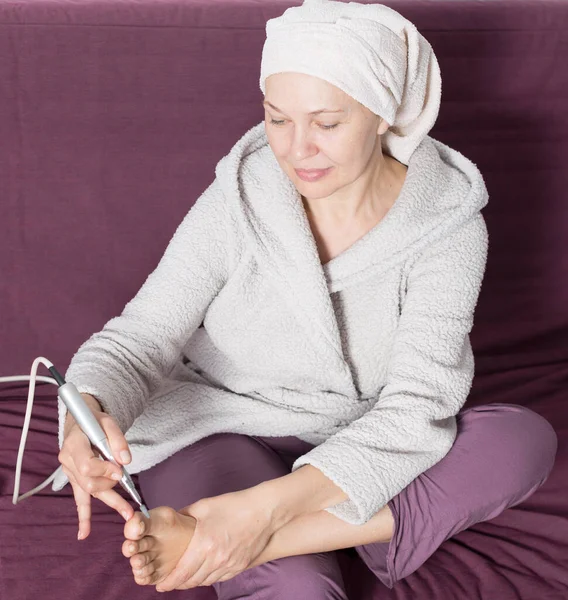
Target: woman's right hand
(87, 473)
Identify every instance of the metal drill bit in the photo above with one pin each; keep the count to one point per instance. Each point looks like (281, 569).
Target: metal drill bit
(127, 483)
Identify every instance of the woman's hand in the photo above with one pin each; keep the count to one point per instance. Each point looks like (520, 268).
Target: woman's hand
(88, 474)
(231, 531)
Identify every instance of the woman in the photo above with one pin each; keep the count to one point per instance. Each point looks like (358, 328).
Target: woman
(319, 406)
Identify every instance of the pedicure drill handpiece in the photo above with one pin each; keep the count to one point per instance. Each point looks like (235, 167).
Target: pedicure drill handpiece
(84, 417)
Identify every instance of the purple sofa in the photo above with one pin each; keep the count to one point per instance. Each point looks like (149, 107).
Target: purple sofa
(113, 115)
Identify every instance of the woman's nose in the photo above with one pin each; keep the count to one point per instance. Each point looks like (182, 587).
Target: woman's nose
(302, 145)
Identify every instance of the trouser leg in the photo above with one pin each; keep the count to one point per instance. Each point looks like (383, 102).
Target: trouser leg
(225, 463)
(502, 454)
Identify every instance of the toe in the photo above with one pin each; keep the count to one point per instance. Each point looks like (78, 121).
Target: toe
(163, 519)
(145, 577)
(143, 572)
(142, 579)
(130, 548)
(136, 527)
(141, 560)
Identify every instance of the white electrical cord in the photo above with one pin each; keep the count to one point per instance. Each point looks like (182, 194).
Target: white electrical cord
(32, 378)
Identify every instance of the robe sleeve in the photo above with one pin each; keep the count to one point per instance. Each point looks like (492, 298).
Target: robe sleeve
(412, 425)
(124, 363)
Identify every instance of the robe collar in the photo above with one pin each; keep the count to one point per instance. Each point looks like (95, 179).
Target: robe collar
(441, 191)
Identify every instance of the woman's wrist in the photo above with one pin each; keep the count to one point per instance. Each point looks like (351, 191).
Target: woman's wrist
(305, 491)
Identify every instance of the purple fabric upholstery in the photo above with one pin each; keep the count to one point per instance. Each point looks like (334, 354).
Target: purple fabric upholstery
(113, 114)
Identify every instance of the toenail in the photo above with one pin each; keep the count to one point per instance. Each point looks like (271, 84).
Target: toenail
(132, 547)
(141, 527)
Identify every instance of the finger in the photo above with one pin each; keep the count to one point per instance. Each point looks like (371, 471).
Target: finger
(83, 503)
(109, 497)
(181, 574)
(96, 475)
(117, 502)
(96, 466)
(117, 441)
(95, 485)
(85, 464)
(217, 575)
(206, 574)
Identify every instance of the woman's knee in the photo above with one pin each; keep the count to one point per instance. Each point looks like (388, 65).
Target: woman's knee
(519, 440)
(215, 465)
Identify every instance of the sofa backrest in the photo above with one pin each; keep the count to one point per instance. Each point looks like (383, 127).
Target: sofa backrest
(112, 121)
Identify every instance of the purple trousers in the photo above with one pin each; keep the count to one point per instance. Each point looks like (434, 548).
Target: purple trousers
(502, 454)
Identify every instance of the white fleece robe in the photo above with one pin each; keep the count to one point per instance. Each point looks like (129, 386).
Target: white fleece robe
(367, 356)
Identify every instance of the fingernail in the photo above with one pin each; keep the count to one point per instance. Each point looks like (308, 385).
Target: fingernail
(125, 515)
(80, 535)
(125, 456)
(115, 476)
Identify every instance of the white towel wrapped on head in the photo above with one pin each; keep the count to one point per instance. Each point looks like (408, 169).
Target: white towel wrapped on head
(369, 51)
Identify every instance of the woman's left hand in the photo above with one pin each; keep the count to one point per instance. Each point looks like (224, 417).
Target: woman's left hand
(231, 531)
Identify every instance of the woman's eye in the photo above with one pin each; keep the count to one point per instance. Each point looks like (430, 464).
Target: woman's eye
(278, 123)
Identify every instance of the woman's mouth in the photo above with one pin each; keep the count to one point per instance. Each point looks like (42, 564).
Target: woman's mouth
(312, 175)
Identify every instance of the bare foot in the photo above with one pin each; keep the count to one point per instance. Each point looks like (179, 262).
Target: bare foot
(156, 550)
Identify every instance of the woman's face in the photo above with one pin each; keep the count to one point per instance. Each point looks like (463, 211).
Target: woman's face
(345, 140)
